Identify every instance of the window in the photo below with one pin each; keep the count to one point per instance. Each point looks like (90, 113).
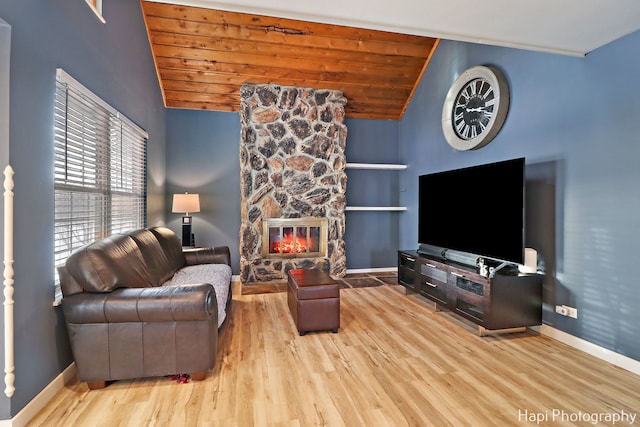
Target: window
(100, 170)
(96, 6)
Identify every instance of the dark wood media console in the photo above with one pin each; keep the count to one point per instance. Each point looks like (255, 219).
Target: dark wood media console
(508, 301)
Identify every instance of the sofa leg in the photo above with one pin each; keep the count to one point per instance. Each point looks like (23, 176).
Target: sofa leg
(198, 376)
(96, 385)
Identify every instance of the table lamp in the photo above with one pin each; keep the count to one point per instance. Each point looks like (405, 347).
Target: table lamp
(186, 203)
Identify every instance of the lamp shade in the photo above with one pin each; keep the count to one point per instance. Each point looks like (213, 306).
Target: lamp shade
(186, 203)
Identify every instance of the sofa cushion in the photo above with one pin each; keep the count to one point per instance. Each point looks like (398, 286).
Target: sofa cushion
(218, 275)
(171, 246)
(160, 266)
(108, 264)
(68, 283)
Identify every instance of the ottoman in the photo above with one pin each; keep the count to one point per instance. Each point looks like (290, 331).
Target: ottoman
(314, 300)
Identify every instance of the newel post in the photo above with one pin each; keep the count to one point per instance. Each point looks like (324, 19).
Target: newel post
(9, 376)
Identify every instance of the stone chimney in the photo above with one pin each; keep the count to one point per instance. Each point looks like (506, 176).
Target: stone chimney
(292, 165)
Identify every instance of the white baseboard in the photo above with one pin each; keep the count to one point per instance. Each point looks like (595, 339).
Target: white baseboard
(595, 350)
(40, 401)
(235, 278)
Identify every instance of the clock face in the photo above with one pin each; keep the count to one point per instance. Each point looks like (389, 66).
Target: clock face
(475, 108)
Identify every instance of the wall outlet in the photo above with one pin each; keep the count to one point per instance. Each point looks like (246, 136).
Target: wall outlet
(565, 310)
(561, 309)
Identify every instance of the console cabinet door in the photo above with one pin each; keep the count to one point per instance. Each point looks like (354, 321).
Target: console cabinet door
(471, 295)
(432, 279)
(407, 270)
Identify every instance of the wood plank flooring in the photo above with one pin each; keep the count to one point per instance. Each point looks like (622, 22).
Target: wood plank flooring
(394, 362)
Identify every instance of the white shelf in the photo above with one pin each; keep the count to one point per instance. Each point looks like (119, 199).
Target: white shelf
(376, 166)
(379, 166)
(376, 208)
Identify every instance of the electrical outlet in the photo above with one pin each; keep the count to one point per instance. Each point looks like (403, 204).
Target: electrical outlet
(565, 310)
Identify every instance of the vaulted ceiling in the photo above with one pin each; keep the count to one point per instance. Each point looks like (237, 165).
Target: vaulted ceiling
(375, 52)
(203, 56)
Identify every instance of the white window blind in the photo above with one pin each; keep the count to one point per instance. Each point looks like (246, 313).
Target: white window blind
(100, 170)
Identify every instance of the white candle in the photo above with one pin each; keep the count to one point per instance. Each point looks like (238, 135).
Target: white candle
(530, 257)
(530, 261)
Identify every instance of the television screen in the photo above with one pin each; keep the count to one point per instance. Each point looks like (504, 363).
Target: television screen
(479, 210)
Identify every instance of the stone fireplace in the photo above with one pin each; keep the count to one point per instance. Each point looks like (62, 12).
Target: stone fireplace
(293, 181)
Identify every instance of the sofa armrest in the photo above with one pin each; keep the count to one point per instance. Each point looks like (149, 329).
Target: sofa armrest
(158, 304)
(212, 255)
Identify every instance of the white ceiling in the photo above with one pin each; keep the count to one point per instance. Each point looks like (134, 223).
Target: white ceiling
(569, 27)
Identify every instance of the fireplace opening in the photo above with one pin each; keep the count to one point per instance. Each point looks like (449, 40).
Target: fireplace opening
(294, 237)
(299, 240)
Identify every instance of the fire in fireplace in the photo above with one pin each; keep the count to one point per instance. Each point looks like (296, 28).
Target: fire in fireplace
(294, 237)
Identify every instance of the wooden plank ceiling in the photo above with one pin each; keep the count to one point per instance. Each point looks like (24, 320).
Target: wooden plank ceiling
(203, 56)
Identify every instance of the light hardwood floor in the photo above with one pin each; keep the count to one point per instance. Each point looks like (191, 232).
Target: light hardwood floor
(394, 362)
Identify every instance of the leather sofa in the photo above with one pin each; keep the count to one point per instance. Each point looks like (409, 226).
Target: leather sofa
(138, 305)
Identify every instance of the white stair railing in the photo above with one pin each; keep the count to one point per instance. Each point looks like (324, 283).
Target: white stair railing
(9, 376)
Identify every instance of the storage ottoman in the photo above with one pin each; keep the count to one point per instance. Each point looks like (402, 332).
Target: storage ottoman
(314, 300)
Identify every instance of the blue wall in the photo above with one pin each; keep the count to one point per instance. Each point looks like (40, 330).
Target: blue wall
(576, 122)
(203, 156)
(114, 61)
(371, 237)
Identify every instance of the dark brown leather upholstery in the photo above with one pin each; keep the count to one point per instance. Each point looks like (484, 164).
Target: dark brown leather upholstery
(122, 324)
(314, 300)
(160, 262)
(110, 263)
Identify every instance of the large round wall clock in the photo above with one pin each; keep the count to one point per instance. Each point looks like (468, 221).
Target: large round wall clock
(475, 108)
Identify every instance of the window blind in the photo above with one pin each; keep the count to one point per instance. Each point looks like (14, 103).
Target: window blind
(99, 167)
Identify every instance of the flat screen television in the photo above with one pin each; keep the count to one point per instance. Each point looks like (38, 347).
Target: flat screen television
(478, 210)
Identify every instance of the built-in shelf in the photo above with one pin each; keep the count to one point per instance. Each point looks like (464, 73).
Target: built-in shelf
(376, 208)
(379, 166)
